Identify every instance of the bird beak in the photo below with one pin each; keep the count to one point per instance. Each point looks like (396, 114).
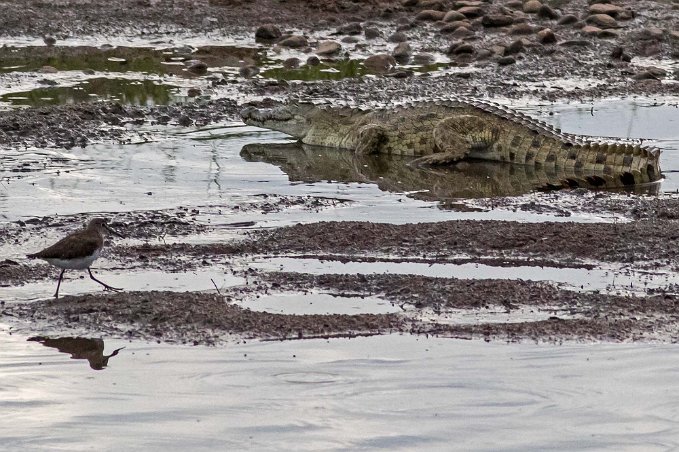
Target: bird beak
(114, 232)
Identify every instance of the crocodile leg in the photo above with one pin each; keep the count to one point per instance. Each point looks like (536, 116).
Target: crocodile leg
(370, 138)
(455, 136)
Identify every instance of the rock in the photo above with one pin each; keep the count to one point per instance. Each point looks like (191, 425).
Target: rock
(399, 36)
(49, 70)
(424, 58)
(350, 39)
(352, 28)
(567, 19)
(522, 29)
(49, 40)
(438, 5)
(648, 75)
(184, 121)
(328, 48)
(514, 47)
(515, 4)
(506, 60)
(402, 52)
(196, 67)
(452, 16)
(650, 48)
(430, 15)
(313, 61)
(484, 54)
(674, 35)
(294, 41)
(497, 20)
(602, 21)
(546, 12)
(462, 32)
(606, 8)
(458, 48)
(651, 34)
(608, 34)
(452, 26)
(531, 6)
(471, 11)
(248, 71)
(48, 82)
(380, 63)
(194, 92)
(268, 32)
(590, 30)
(546, 36)
(292, 63)
(372, 33)
(576, 43)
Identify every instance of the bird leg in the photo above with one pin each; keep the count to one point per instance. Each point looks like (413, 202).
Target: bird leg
(61, 275)
(106, 286)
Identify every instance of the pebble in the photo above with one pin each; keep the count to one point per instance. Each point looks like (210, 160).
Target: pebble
(430, 15)
(531, 6)
(292, 63)
(313, 61)
(294, 41)
(328, 48)
(602, 21)
(452, 16)
(522, 29)
(546, 36)
(372, 33)
(268, 32)
(515, 47)
(196, 66)
(380, 63)
(567, 19)
(402, 52)
(506, 60)
(352, 28)
(452, 26)
(497, 20)
(248, 71)
(471, 11)
(399, 36)
(546, 12)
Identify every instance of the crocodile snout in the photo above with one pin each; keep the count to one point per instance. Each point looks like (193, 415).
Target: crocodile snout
(266, 114)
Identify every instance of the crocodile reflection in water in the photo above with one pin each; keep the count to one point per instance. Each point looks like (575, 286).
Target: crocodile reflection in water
(393, 173)
(80, 348)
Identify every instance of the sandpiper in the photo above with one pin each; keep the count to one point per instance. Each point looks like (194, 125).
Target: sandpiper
(77, 251)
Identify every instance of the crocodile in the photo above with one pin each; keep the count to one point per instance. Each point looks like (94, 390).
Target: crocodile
(445, 131)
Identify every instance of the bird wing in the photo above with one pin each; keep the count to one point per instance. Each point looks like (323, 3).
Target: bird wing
(70, 247)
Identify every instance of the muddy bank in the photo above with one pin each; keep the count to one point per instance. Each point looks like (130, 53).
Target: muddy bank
(202, 318)
(68, 126)
(643, 243)
(189, 317)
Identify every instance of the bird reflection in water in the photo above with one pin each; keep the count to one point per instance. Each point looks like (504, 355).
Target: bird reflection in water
(80, 348)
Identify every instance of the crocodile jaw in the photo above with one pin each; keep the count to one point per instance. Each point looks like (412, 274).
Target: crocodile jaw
(282, 119)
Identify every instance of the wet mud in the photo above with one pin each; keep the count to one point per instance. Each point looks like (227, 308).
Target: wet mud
(500, 52)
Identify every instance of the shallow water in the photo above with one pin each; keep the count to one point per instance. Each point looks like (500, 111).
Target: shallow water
(611, 280)
(392, 392)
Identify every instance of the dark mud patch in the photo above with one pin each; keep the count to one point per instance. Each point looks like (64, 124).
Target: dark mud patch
(635, 242)
(55, 126)
(202, 318)
(189, 317)
(14, 273)
(599, 316)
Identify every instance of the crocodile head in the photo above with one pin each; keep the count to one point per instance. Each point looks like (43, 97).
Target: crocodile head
(290, 119)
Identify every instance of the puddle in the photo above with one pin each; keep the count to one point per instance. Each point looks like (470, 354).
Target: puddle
(112, 59)
(335, 70)
(318, 303)
(391, 392)
(491, 314)
(610, 280)
(124, 91)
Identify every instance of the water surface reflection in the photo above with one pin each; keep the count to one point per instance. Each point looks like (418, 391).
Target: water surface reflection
(391, 173)
(80, 348)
